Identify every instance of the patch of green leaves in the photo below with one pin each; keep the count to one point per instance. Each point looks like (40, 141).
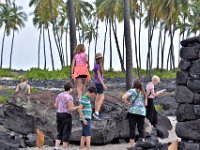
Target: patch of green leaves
(159, 108)
(9, 92)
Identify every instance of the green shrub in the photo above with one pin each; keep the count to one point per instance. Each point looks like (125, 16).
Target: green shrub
(159, 108)
(9, 92)
(7, 73)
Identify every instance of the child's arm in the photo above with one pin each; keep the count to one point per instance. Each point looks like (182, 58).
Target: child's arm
(100, 80)
(29, 89)
(125, 97)
(161, 91)
(81, 114)
(56, 104)
(72, 67)
(70, 106)
(17, 88)
(87, 62)
(145, 102)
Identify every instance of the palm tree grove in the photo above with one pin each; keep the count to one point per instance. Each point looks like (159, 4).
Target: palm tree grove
(124, 64)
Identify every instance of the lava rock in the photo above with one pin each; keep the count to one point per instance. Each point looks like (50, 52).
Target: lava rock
(195, 69)
(162, 132)
(181, 78)
(189, 53)
(189, 130)
(7, 142)
(190, 41)
(194, 85)
(184, 64)
(184, 95)
(185, 112)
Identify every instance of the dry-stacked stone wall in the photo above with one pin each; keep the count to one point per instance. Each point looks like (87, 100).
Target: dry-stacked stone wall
(188, 95)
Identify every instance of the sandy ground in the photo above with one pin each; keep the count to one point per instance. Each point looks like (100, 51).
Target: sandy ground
(172, 137)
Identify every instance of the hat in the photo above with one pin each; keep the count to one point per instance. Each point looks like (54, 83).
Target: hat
(98, 55)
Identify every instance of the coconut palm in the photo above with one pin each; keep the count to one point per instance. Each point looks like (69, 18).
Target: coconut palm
(73, 41)
(6, 19)
(18, 17)
(129, 62)
(113, 10)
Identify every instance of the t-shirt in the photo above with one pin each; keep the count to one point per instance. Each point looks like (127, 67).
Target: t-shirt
(150, 89)
(138, 106)
(97, 68)
(62, 100)
(80, 58)
(87, 107)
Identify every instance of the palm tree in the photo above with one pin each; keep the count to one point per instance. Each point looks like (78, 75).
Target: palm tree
(73, 41)
(112, 10)
(129, 62)
(7, 20)
(18, 17)
(90, 34)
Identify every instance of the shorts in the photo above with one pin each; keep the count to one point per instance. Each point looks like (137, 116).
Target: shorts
(64, 126)
(86, 131)
(81, 76)
(99, 88)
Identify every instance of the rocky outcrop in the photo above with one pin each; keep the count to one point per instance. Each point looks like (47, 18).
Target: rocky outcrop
(188, 95)
(24, 113)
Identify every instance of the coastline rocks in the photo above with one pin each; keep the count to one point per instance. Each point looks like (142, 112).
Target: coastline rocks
(24, 113)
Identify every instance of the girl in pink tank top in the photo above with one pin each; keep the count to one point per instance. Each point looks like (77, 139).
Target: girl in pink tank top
(80, 69)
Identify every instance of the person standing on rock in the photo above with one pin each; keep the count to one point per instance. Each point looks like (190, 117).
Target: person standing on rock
(79, 69)
(137, 99)
(65, 106)
(23, 86)
(85, 111)
(99, 83)
(151, 111)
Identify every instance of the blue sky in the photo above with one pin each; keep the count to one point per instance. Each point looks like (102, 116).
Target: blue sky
(25, 45)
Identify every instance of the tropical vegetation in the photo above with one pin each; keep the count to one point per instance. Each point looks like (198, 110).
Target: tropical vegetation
(68, 18)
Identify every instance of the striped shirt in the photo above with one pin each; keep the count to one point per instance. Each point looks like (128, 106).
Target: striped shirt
(87, 107)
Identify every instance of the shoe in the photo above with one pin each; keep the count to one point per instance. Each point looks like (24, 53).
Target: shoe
(55, 149)
(96, 116)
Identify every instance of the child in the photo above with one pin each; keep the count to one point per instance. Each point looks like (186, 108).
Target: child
(137, 111)
(151, 111)
(85, 111)
(99, 83)
(23, 86)
(64, 105)
(79, 69)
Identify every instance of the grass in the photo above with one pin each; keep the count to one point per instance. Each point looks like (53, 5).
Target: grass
(40, 74)
(9, 92)
(159, 108)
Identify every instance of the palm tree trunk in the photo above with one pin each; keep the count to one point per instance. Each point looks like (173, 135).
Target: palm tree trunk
(118, 49)
(89, 52)
(66, 49)
(39, 43)
(110, 32)
(96, 37)
(162, 52)
(129, 62)
(136, 52)
(4, 34)
(139, 36)
(51, 51)
(11, 51)
(72, 25)
(44, 47)
(159, 44)
(104, 47)
(123, 48)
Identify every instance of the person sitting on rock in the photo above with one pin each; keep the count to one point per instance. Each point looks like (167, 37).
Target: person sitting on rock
(85, 111)
(99, 83)
(137, 99)
(80, 69)
(65, 106)
(151, 111)
(23, 86)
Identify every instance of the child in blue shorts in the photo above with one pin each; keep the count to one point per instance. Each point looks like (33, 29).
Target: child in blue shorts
(85, 111)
